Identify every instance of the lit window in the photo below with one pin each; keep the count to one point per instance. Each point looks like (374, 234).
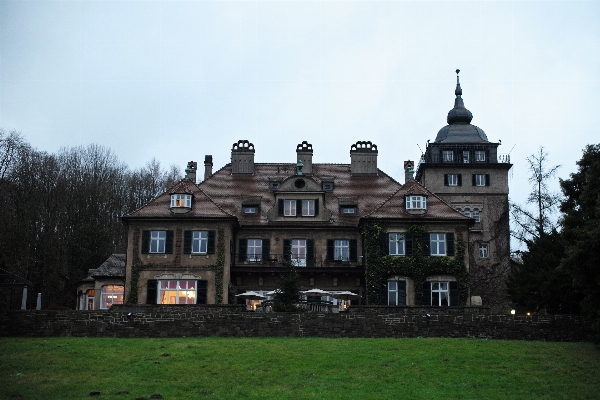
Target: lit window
(90, 299)
(480, 180)
(440, 295)
(466, 157)
(415, 202)
(448, 155)
(299, 252)
(341, 250)
(452, 180)
(476, 215)
(157, 241)
(254, 250)
(199, 242)
(348, 210)
(111, 294)
(437, 244)
(483, 251)
(289, 208)
(396, 245)
(181, 200)
(177, 292)
(308, 208)
(479, 156)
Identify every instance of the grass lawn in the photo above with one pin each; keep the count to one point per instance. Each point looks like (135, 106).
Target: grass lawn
(291, 368)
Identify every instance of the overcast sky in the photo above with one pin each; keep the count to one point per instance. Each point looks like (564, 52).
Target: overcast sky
(177, 80)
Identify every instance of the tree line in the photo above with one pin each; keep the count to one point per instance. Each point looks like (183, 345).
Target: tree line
(559, 272)
(60, 214)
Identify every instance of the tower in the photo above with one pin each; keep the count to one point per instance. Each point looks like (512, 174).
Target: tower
(464, 168)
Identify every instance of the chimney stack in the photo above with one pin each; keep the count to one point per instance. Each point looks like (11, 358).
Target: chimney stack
(208, 164)
(363, 158)
(242, 157)
(190, 171)
(409, 171)
(304, 153)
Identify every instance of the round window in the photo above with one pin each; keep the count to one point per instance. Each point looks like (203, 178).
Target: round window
(299, 183)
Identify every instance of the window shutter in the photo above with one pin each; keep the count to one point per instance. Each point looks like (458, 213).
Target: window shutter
(330, 249)
(242, 250)
(145, 242)
(187, 242)
(287, 249)
(401, 293)
(298, 207)
(201, 289)
(450, 244)
(425, 244)
(426, 301)
(266, 249)
(151, 292)
(487, 156)
(454, 294)
(445, 179)
(487, 179)
(385, 244)
(280, 207)
(316, 207)
(383, 293)
(310, 253)
(474, 181)
(408, 244)
(210, 245)
(169, 242)
(353, 250)
(459, 178)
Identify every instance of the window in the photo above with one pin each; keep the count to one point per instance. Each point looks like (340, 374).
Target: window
(479, 156)
(476, 215)
(440, 295)
(328, 186)
(250, 210)
(299, 252)
(481, 180)
(437, 243)
(158, 240)
(254, 250)
(467, 212)
(199, 242)
(90, 299)
(289, 208)
(483, 251)
(396, 245)
(177, 292)
(341, 250)
(348, 210)
(448, 155)
(111, 294)
(396, 291)
(181, 200)
(466, 157)
(416, 202)
(274, 185)
(308, 208)
(452, 180)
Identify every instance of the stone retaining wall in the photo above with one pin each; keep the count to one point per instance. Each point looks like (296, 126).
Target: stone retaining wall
(233, 321)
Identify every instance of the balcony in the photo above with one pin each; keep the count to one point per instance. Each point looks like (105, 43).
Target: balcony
(276, 260)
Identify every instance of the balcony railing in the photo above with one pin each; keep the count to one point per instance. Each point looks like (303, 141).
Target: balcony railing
(275, 260)
(438, 159)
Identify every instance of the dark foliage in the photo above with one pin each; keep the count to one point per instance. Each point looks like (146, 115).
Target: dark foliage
(289, 288)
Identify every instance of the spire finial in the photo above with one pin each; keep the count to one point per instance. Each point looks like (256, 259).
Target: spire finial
(458, 91)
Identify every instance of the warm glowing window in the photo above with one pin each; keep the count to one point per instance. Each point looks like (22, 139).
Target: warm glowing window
(181, 200)
(177, 292)
(111, 294)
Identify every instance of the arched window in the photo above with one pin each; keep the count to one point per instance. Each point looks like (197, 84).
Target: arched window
(476, 214)
(467, 212)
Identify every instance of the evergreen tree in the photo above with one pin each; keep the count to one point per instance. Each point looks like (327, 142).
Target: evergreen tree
(288, 297)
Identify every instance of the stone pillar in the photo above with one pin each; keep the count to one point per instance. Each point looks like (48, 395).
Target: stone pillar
(24, 299)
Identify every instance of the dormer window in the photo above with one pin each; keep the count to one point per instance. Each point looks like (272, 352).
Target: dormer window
(181, 201)
(348, 210)
(250, 209)
(327, 186)
(480, 156)
(274, 185)
(416, 202)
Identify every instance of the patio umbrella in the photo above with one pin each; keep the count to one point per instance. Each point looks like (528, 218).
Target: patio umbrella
(274, 292)
(250, 296)
(315, 292)
(345, 295)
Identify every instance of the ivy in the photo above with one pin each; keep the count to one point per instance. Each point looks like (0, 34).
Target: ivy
(136, 267)
(380, 267)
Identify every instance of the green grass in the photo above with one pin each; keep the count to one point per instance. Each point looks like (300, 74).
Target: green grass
(292, 368)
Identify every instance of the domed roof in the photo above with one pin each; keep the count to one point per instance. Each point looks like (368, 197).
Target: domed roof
(459, 128)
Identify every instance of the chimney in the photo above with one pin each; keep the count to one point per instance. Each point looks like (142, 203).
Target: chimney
(304, 153)
(242, 157)
(363, 158)
(207, 166)
(190, 171)
(409, 171)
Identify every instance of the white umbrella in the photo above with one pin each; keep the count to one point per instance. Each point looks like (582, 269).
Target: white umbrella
(251, 296)
(316, 292)
(274, 292)
(345, 295)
